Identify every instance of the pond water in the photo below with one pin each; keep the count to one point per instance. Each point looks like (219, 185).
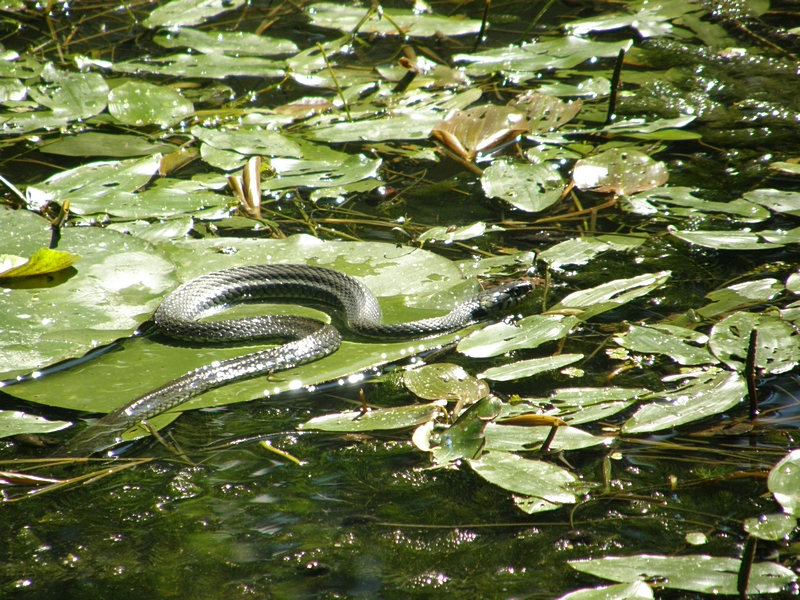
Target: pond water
(635, 348)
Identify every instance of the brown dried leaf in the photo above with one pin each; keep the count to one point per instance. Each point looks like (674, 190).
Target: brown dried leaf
(477, 130)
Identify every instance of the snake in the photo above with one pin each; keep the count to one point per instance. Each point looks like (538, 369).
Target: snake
(305, 339)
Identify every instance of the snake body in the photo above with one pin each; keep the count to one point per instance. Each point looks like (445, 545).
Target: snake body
(307, 339)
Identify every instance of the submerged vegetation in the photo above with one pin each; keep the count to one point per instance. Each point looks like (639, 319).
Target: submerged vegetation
(629, 434)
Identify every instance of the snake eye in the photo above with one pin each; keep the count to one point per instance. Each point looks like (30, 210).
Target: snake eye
(504, 297)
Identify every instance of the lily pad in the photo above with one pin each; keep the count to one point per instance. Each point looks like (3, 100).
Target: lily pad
(41, 262)
(619, 171)
(47, 318)
(701, 398)
(778, 344)
(652, 340)
(236, 43)
(445, 381)
(696, 573)
(528, 368)
(530, 332)
(771, 527)
(638, 590)
(189, 12)
(784, 482)
(14, 422)
(141, 103)
(384, 419)
(104, 144)
(529, 187)
(549, 485)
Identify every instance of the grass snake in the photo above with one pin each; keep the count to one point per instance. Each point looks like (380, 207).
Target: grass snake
(306, 339)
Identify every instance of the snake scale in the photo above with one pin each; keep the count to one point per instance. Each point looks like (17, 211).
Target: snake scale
(306, 339)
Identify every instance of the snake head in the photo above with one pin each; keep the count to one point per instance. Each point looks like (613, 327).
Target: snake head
(503, 297)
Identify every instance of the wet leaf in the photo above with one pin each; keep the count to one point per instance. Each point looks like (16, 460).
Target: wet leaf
(579, 405)
(141, 103)
(670, 341)
(340, 169)
(14, 422)
(579, 251)
(155, 233)
(445, 381)
(650, 19)
(562, 53)
(104, 144)
(249, 141)
(546, 113)
(42, 261)
(638, 590)
(784, 482)
(236, 43)
(383, 419)
(214, 66)
(46, 318)
(106, 382)
(479, 130)
(724, 240)
(618, 171)
(695, 573)
(771, 527)
(515, 438)
(448, 235)
(528, 368)
(778, 344)
(465, 438)
(188, 12)
(699, 399)
(530, 332)
(345, 19)
(741, 295)
(613, 294)
(548, 484)
(529, 187)
(679, 201)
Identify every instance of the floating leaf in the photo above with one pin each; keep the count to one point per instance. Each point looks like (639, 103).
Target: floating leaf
(42, 261)
(517, 438)
(249, 141)
(236, 43)
(741, 295)
(215, 66)
(664, 200)
(771, 527)
(724, 240)
(651, 19)
(465, 437)
(611, 295)
(701, 398)
(669, 341)
(778, 344)
(47, 318)
(784, 482)
(696, 573)
(445, 381)
(528, 187)
(579, 405)
(340, 169)
(638, 590)
(579, 251)
(479, 130)
(448, 235)
(618, 171)
(189, 12)
(546, 113)
(104, 144)
(345, 19)
(14, 422)
(383, 419)
(142, 103)
(549, 485)
(530, 332)
(528, 368)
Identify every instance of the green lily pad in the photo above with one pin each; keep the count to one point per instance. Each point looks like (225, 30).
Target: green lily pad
(516, 438)
(528, 368)
(741, 295)
(104, 144)
(680, 201)
(189, 12)
(14, 422)
(778, 344)
(784, 482)
(548, 484)
(706, 396)
(116, 378)
(249, 140)
(611, 295)
(778, 201)
(465, 438)
(530, 332)
(47, 318)
(384, 419)
(141, 103)
(638, 590)
(445, 381)
(724, 240)
(771, 527)
(695, 573)
(529, 187)
(654, 340)
(237, 43)
(412, 23)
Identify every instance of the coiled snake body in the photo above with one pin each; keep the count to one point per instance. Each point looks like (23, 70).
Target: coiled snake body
(309, 339)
